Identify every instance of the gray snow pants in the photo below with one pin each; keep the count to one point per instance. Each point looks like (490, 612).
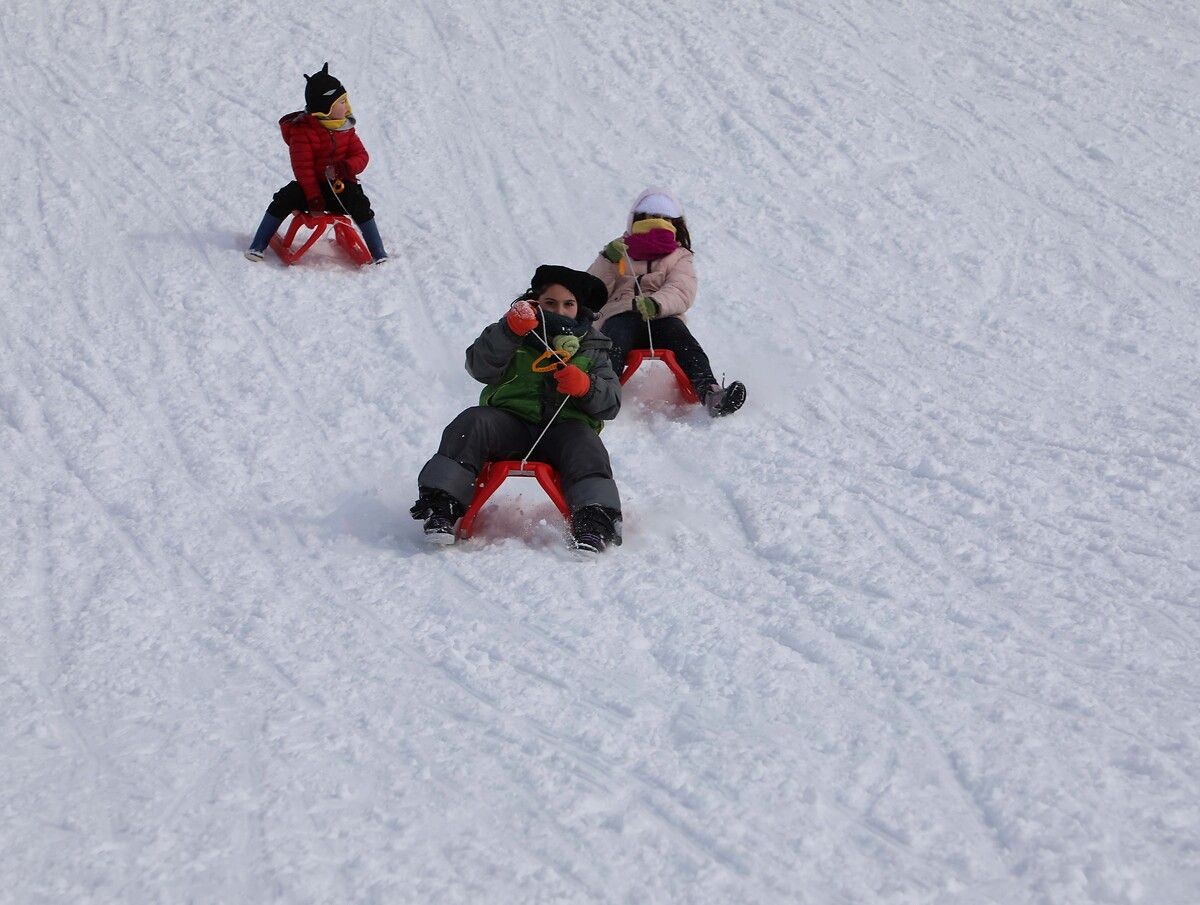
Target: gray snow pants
(486, 434)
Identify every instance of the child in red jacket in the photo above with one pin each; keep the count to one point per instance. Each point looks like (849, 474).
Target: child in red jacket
(327, 157)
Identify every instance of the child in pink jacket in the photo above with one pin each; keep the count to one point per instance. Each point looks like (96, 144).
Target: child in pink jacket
(651, 283)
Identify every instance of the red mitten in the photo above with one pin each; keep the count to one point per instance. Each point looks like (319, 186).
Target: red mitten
(342, 169)
(521, 318)
(572, 381)
(316, 205)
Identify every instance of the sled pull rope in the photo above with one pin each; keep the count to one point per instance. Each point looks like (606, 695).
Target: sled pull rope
(549, 351)
(526, 457)
(637, 286)
(337, 196)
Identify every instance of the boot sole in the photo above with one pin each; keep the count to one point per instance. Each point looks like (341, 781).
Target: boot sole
(585, 551)
(731, 403)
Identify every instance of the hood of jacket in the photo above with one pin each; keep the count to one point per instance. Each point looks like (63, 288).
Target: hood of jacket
(298, 122)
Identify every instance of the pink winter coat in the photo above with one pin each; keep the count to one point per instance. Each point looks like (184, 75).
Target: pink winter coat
(670, 279)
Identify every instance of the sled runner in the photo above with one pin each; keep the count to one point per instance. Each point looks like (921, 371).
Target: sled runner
(635, 358)
(492, 475)
(344, 234)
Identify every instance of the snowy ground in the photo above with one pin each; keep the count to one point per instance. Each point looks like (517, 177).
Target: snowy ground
(920, 625)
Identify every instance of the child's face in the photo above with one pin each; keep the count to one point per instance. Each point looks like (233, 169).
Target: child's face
(558, 299)
(338, 110)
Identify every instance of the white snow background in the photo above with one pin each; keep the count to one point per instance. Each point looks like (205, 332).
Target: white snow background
(919, 625)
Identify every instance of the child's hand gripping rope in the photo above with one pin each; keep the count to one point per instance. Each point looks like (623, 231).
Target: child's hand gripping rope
(572, 381)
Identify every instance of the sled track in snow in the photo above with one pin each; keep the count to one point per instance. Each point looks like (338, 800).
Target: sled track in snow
(917, 624)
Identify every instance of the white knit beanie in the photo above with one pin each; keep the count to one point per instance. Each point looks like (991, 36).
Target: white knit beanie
(655, 201)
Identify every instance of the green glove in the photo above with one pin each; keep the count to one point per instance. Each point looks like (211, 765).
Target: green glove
(646, 307)
(615, 250)
(568, 344)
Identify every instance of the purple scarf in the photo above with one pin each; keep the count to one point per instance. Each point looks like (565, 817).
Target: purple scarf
(647, 246)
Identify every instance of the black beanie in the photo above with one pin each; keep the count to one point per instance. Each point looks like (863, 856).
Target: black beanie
(588, 290)
(321, 91)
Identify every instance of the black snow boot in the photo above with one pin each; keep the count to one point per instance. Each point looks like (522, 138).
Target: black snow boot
(719, 400)
(441, 513)
(593, 528)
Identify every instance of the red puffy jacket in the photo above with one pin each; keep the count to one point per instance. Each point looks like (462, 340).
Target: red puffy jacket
(313, 148)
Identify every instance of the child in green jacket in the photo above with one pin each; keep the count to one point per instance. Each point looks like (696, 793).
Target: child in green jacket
(564, 406)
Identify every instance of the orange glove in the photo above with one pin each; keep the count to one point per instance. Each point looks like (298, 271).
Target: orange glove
(521, 318)
(572, 381)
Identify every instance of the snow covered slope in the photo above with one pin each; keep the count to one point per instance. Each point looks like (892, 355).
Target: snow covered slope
(920, 624)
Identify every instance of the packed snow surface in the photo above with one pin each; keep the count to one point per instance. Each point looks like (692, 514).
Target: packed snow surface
(920, 624)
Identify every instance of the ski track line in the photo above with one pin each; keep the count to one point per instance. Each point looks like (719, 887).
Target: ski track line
(1114, 722)
(291, 686)
(175, 349)
(987, 823)
(494, 182)
(968, 513)
(233, 294)
(855, 642)
(589, 755)
(444, 672)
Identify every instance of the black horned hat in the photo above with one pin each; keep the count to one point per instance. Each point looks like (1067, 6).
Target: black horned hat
(321, 90)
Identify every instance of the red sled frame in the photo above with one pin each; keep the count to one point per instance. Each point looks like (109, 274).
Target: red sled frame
(492, 475)
(344, 234)
(634, 361)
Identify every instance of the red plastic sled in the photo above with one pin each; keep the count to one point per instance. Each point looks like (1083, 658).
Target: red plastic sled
(492, 475)
(344, 234)
(667, 357)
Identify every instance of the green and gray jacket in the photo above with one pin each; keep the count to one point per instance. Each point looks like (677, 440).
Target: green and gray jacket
(504, 361)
